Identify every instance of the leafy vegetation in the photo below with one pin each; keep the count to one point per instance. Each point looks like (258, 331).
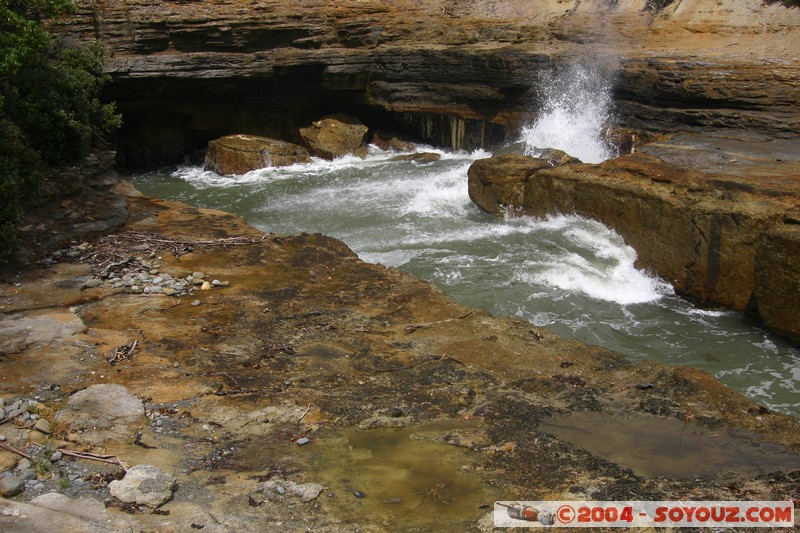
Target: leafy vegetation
(50, 111)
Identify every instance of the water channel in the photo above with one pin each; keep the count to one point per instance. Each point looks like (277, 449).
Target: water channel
(569, 274)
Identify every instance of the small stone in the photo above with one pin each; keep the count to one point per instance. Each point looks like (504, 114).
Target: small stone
(206, 286)
(56, 457)
(225, 284)
(396, 412)
(2, 438)
(11, 486)
(302, 441)
(153, 271)
(169, 292)
(27, 475)
(23, 464)
(195, 303)
(157, 280)
(359, 494)
(280, 490)
(93, 283)
(38, 486)
(144, 485)
(198, 275)
(136, 289)
(43, 426)
(216, 283)
(159, 422)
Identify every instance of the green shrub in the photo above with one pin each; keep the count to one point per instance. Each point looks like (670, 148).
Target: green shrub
(50, 111)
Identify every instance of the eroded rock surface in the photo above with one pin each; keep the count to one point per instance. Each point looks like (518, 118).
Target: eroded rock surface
(310, 344)
(102, 412)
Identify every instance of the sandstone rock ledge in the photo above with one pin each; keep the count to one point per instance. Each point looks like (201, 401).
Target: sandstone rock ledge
(308, 341)
(719, 238)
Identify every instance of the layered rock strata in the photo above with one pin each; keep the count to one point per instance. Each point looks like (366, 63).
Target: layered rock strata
(456, 74)
(718, 238)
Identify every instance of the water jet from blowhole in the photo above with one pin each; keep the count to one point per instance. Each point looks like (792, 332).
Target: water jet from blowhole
(576, 110)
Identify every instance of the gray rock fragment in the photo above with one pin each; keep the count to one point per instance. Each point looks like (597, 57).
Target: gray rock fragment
(144, 485)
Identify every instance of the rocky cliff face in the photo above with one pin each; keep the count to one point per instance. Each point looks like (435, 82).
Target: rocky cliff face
(454, 73)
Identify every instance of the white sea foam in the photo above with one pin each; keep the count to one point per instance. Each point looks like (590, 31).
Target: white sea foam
(576, 108)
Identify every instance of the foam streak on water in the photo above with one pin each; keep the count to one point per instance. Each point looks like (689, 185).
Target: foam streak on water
(572, 275)
(575, 109)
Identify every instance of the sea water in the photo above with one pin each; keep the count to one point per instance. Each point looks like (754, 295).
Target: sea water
(572, 275)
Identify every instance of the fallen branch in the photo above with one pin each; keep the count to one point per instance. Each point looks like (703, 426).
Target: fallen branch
(15, 450)
(111, 459)
(305, 413)
(415, 327)
(180, 247)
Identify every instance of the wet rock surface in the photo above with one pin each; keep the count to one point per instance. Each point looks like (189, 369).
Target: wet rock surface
(239, 154)
(309, 344)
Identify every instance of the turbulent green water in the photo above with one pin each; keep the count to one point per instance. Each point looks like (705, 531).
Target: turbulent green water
(572, 275)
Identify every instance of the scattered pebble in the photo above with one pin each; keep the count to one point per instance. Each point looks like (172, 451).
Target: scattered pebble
(302, 441)
(359, 494)
(195, 303)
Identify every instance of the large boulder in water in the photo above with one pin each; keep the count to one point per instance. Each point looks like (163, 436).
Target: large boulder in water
(238, 154)
(498, 184)
(335, 136)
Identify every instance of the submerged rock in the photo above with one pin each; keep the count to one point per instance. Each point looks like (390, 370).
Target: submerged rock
(239, 154)
(335, 136)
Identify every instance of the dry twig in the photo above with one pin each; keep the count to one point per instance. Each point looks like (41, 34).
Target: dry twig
(415, 327)
(305, 413)
(121, 353)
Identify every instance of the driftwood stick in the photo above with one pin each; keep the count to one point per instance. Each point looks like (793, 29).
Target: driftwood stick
(15, 450)
(112, 459)
(414, 327)
(305, 413)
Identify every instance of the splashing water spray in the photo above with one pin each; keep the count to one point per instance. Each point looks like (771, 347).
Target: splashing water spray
(576, 105)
